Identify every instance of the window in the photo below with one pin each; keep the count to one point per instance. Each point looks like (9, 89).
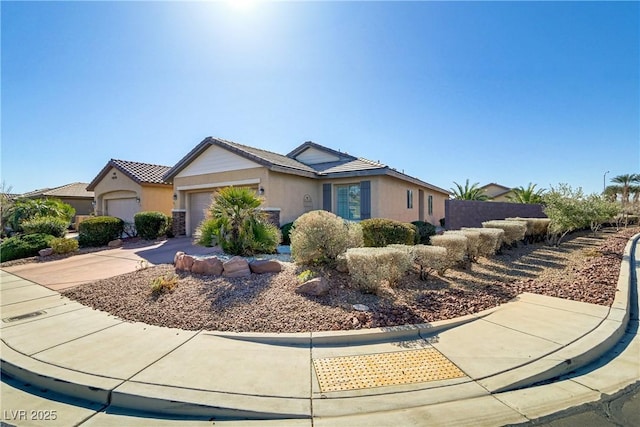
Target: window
(409, 199)
(430, 205)
(349, 201)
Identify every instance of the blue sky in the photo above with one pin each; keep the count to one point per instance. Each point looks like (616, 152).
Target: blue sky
(504, 92)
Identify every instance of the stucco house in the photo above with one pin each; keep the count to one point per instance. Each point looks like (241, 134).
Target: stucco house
(310, 177)
(74, 194)
(124, 188)
(497, 192)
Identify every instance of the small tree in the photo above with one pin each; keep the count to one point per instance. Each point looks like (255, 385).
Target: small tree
(467, 192)
(28, 209)
(598, 210)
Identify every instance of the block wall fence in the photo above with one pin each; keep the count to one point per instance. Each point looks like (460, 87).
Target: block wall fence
(472, 213)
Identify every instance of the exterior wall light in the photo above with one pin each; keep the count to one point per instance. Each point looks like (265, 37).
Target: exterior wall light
(261, 191)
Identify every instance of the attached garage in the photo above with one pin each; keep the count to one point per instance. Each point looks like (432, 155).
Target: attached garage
(124, 209)
(198, 205)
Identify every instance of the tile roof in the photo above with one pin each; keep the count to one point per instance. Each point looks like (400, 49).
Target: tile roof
(348, 165)
(75, 189)
(141, 173)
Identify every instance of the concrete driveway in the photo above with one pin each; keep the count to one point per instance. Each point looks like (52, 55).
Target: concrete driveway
(85, 268)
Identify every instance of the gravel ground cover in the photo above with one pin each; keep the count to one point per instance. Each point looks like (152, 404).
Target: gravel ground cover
(585, 268)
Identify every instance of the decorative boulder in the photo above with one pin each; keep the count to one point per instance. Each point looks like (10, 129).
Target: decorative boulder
(207, 266)
(45, 252)
(265, 266)
(236, 267)
(115, 243)
(184, 262)
(316, 287)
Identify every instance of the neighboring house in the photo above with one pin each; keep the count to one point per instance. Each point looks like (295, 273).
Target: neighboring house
(124, 188)
(497, 192)
(74, 194)
(310, 177)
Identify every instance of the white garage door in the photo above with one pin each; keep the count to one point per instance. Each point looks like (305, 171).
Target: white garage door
(198, 204)
(123, 208)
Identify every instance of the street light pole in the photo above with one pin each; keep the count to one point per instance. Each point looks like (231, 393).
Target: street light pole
(604, 181)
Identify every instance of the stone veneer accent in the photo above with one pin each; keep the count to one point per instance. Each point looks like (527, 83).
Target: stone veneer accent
(273, 216)
(179, 223)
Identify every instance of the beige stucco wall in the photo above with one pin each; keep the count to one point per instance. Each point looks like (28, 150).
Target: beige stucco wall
(157, 198)
(109, 188)
(390, 201)
(293, 195)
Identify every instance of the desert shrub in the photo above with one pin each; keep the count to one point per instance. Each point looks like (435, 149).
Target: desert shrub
(320, 236)
(163, 284)
(286, 232)
(426, 257)
(23, 246)
(53, 226)
(536, 227)
(237, 223)
(514, 231)
(370, 268)
(99, 230)
(490, 240)
(60, 245)
(381, 232)
(473, 242)
(151, 224)
(425, 231)
(169, 231)
(305, 276)
(27, 209)
(456, 246)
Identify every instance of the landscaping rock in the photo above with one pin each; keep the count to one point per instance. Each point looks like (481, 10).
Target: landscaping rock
(45, 252)
(315, 287)
(208, 266)
(184, 262)
(115, 243)
(236, 267)
(265, 266)
(341, 264)
(360, 307)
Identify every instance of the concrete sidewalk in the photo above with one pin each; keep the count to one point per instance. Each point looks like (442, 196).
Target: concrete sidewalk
(475, 370)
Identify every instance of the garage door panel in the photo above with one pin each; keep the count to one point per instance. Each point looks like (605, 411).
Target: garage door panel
(124, 209)
(198, 204)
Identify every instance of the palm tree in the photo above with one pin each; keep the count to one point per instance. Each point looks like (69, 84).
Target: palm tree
(468, 192)
(625, 182)
(527, 195)
(611, 192)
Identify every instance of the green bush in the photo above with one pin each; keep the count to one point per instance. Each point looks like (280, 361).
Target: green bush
(27, 209)
(425, 231)
(370, 268)
(100, 230)
(381, 232)
(23, 246)
(60, 245)
(320, 236)
(286, 233)
(53, 226)
(150, 224)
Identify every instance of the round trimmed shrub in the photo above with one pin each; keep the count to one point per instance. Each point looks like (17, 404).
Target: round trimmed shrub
(53, 226)
(456, 245)
(514, 231)
(320, 236)
(24, 246)
(381, 232)
(151, 224)
(370, 268)
(100, 230)
(60, 245)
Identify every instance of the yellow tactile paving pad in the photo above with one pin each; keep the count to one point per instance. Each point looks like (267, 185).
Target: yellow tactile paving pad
(383, 369)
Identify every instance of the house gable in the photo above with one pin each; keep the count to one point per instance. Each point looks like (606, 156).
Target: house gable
(314, 156)
(216, 159)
